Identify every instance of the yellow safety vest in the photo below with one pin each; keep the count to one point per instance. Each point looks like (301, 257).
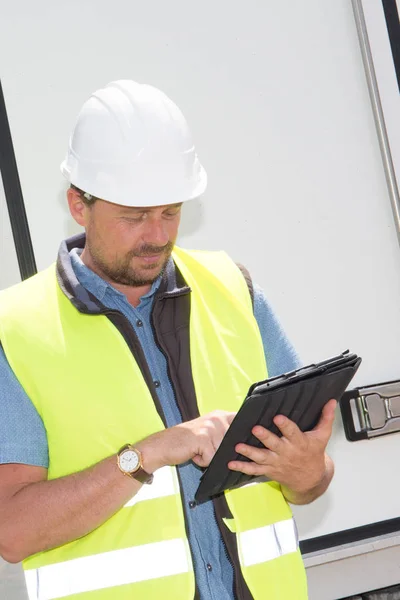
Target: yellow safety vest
(87, 387)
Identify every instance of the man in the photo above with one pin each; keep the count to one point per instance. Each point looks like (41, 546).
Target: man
(122, 369)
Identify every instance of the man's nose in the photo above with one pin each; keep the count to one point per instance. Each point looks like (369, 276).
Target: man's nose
(156, 233)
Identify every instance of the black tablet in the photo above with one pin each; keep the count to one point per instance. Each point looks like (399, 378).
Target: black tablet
(299, 395)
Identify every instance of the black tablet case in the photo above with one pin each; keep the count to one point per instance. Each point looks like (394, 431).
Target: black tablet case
(299, 395)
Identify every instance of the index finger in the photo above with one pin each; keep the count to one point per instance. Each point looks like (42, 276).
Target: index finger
(288, 428)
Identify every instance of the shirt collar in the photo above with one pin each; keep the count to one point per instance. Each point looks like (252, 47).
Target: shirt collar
(96, 284)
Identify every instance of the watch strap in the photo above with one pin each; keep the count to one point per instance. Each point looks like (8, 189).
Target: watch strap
(142, 476)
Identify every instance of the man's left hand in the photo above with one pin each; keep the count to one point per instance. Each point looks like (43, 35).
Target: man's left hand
(296, 460)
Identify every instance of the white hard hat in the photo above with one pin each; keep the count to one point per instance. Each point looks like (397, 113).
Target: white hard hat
(131, 145)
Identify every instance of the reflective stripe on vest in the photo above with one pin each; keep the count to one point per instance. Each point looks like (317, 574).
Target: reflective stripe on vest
(151, 561)
(267, 543)
(111, 569)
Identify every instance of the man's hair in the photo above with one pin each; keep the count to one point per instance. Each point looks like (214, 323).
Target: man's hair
(88, 199)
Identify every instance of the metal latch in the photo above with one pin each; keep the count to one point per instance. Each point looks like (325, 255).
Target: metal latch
(371, 411)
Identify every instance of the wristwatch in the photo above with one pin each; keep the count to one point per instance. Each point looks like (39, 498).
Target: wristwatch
(130, 463)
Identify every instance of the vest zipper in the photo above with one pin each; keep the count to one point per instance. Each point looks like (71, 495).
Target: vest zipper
(234, 587)
(237, 594)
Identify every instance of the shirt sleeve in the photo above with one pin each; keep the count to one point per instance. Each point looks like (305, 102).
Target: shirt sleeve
(22, 433)
(280, 355)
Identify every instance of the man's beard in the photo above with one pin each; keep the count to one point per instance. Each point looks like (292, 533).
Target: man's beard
(122, 272)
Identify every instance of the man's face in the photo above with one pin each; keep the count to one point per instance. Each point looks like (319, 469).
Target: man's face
(131, 246)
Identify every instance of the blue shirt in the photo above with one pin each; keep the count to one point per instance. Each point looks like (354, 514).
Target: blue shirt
(23, 437)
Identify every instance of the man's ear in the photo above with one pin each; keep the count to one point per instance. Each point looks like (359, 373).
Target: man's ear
(77, 207)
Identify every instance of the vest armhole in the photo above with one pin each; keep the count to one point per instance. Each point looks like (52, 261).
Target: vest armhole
(248, 280)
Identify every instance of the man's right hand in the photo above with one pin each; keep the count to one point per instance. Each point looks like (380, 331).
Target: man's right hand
(195, 440)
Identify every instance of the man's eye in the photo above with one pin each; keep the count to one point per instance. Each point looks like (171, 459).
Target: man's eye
(134, 219)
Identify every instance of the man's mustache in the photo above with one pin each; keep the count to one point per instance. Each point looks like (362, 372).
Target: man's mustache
(150, 250)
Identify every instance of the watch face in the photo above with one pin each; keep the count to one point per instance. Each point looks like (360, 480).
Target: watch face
(129, 461)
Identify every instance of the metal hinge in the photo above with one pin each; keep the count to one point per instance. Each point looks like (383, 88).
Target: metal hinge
(371, 411)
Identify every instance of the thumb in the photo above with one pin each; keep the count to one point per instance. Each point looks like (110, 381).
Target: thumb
(200, 461)
(325, 424)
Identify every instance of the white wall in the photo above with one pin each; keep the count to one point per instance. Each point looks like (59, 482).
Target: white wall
(277, 99)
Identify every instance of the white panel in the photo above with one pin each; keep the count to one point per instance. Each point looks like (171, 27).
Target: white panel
(347, 570)
(278, 102)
